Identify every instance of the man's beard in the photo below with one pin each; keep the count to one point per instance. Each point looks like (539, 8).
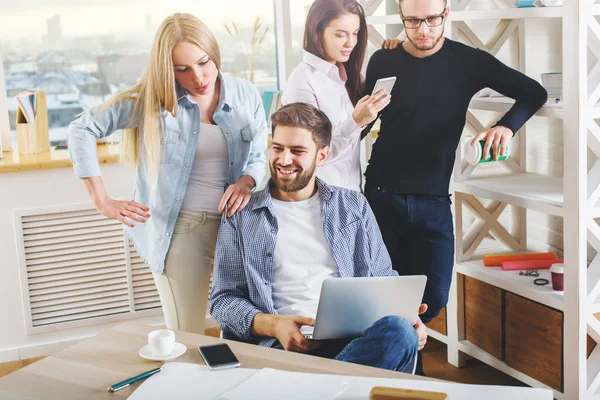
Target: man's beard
(296, 184)
(426, 47)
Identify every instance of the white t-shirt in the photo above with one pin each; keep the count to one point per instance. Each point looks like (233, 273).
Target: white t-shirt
(303, 258)
(209, 171)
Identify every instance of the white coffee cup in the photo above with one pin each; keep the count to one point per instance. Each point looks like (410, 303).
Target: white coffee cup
(162, 342)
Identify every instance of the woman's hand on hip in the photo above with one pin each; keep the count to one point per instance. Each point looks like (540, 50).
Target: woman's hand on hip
(123, 211)
(237, 196)
(368, 107)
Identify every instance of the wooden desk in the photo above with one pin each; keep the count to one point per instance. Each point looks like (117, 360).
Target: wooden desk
(14, 162)
(87, 369)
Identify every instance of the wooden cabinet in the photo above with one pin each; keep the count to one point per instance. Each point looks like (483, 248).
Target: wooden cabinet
(534, 340)
(483, 316)
(438, 324)
(526, 335)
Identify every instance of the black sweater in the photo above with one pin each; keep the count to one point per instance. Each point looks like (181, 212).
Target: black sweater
(421, 127)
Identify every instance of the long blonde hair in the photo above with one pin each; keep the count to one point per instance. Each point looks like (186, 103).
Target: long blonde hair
(156, 90)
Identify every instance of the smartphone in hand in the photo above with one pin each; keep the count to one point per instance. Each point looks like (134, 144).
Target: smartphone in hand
(384, 83)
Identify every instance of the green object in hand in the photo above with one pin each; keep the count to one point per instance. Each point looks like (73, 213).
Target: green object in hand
(474, 154)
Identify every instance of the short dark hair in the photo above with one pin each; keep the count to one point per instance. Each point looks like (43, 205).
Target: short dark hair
(305, 116)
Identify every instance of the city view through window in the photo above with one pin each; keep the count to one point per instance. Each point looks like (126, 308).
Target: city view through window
(81, 54)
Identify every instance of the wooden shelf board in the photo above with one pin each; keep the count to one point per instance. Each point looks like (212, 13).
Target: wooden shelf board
(14, 162)
(503, 104)
(513, 282)
(532, 191)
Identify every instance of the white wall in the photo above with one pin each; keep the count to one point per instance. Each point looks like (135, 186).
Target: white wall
(35, 189)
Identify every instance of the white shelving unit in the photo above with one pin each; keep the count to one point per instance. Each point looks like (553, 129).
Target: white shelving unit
(569, 198)
(437, 336)
(469, 348)
(574, 198)
(508, 13)
(503, 104)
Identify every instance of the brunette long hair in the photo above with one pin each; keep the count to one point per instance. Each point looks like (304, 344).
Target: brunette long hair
(321, 13)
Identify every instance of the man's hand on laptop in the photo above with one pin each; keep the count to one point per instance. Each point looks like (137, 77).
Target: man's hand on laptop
(421, 328)
(286, 329)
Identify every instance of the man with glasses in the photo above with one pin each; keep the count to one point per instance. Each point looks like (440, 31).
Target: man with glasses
(412, 160)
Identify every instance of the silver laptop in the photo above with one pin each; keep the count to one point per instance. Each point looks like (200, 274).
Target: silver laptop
(348, 306)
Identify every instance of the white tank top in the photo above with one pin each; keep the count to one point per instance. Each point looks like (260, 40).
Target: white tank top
(209, 171)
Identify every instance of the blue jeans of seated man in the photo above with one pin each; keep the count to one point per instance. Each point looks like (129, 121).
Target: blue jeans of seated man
(390, 343)
(419, 235)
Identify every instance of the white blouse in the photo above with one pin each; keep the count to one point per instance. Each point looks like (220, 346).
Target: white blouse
(322, 84)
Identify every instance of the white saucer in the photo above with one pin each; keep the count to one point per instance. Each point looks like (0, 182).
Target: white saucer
(146, 352)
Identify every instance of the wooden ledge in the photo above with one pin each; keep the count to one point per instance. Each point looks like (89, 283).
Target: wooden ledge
(15, 162)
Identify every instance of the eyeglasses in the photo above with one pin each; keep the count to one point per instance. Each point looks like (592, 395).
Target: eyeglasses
(431, 21)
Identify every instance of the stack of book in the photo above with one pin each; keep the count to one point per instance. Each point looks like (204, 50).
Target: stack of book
(27, 104)
(32, 122)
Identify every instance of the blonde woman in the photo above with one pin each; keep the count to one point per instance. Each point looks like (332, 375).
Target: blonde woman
(198, 141)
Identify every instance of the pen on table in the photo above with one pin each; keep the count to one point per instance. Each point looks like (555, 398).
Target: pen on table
(127, 382)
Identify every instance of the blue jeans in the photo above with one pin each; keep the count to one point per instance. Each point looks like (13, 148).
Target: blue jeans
(419, 235)
(390, 343)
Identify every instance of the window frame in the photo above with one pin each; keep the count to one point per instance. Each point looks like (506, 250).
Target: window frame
(5, 136)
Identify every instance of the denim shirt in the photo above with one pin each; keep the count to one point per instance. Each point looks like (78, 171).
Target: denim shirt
(244, 256)
(241, 116)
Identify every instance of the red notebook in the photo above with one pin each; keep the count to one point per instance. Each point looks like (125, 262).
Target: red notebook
(529, 264)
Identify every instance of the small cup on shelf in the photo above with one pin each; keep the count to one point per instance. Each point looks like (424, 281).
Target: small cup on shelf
(553, 83)
(557, 271)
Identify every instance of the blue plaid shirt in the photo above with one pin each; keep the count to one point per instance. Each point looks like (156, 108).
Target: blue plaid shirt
(244, 263)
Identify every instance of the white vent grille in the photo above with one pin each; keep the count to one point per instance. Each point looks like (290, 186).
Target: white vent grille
(145, 295)
(78, 268)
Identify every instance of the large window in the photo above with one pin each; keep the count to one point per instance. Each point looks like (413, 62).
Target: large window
(81, 53)
(298, 12)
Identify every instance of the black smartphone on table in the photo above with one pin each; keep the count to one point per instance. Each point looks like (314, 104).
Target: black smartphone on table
(218, 356)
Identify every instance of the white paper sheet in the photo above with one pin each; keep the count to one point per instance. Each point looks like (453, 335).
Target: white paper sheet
(192, 381)
(270, 384)
(185, 381)
(274, 384)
